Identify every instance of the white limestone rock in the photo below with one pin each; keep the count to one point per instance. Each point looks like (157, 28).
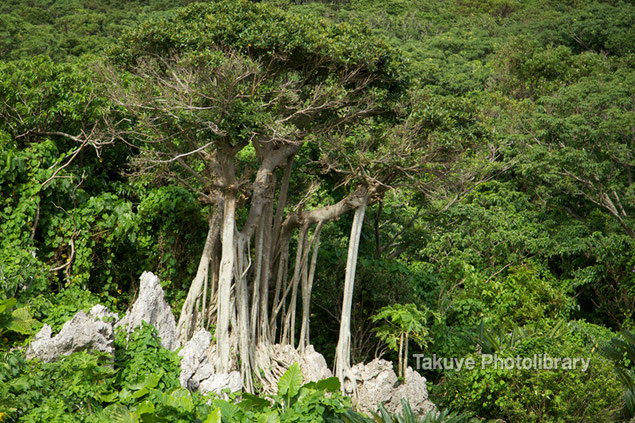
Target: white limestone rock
(415, 391)
(152, 308)
(378, 384)
(195, 364)
(313, 365)
(221, 381)
(81, 333)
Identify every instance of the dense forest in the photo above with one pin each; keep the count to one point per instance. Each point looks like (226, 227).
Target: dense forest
(374, 178)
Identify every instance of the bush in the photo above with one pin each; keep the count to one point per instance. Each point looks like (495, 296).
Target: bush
(142, 384)
(532, 395)
(527, 294)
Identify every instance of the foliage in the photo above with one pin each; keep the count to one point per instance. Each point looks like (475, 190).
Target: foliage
(68, 29)
(142, 355)
(66, 390)
(526, 294)
(492, 391)
(18, 320)
(141, 384)
(314, 401)
(81, 386)
(407, 415)
(622, 353)
(401, 324)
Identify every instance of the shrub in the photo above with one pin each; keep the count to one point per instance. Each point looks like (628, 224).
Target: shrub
(532, 395)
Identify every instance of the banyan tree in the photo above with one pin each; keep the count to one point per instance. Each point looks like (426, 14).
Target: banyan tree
(250, 106)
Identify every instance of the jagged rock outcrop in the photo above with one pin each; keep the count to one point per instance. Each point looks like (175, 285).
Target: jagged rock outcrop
(220, 381)
(152, 308)
(83, 332)
(312, 363)
(415, 391)
(195, 364)
(377, 384)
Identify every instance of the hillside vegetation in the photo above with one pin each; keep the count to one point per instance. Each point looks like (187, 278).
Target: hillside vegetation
(449, 177)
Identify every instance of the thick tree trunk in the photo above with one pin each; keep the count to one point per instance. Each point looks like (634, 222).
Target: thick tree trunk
(223, 345)
(343, 350)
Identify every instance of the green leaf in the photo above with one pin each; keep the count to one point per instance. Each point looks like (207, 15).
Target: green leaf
(213, 417)
(269, 418)
(110, 397)
(181, 399)
(331, 384)
(144, 407)
(144, 385)
(117, 413)
(290, 382)
(7, 304)
(250, 401)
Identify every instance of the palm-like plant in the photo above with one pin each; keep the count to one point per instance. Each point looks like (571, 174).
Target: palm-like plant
(622, 353)
(402, 324)
(407, 415)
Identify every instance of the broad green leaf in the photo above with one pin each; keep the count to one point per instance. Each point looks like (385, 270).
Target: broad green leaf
(214, 417)
(118, 413)
(110, 397)
(144, 407)
(269, 418)
(250, 401)
(290, 382)
(7, 304)
(331, 384)
(181, 399)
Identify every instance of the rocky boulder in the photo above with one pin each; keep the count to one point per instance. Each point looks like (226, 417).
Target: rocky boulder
(83, 332)
(221, 381)
(195, 363)
(415, 391)
(377, 384)
(152, 308)
(312, 363)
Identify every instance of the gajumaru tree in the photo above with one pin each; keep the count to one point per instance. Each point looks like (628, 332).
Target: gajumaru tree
(251, 107)
(226, 97)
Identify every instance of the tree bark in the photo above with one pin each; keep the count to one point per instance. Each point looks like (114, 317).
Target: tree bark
(262, 332)
(343, 350)
(288, 331)
(186, 324)
(307, 288)
(223, 346)
(243, 263)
